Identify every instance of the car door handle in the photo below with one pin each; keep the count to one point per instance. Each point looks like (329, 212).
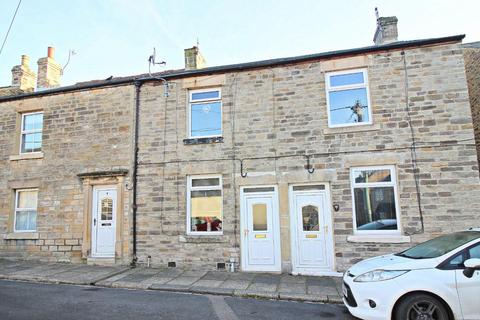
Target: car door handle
(94, 221)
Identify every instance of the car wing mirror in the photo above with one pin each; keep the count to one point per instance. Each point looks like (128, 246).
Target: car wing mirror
(470, 266)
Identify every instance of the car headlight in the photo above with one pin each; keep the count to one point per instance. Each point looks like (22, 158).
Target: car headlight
(379, 275)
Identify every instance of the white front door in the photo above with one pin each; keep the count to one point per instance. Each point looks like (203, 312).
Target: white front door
(103, 221)
(311, 228)
(260, 232)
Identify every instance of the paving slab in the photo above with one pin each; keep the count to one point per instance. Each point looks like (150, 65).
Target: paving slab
(263, 287)
(299, 288)
(235, 284)
(207, 283)
(256, 285)
(322, 290)
(183, 281)
(216, 275)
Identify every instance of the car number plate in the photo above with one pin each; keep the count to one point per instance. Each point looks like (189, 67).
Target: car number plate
(344, 289)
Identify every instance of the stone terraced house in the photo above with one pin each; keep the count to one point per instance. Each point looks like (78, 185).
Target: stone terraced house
(304, 164)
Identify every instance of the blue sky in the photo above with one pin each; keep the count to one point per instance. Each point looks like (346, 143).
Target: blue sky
(115, 37)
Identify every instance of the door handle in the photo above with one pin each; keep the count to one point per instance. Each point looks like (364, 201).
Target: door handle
(245, 232)
(94, 221)
(326, 229)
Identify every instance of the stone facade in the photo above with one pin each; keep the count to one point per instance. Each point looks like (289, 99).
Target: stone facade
(281, 111)
(83, 132)
(472, 67)
(271, 118)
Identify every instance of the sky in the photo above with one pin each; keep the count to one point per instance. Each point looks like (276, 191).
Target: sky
(116, 37)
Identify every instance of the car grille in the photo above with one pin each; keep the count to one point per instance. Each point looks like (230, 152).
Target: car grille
(348, 295)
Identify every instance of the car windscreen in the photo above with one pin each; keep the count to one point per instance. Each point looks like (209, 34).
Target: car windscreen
(440, 245)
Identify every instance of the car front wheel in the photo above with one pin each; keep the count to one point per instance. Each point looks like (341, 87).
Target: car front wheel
(421, 307)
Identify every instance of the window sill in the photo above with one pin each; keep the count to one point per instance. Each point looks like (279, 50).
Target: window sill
(202, 239)
(348, 129)
(21, 236)
(27, 156)
(193, 141)
(378, 238)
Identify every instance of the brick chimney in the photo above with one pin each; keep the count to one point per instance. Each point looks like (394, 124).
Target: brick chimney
(194, 59)
(386, 30)
(49, 71)
(23, 77)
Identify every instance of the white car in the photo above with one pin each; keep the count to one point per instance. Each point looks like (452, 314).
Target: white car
(435, 280)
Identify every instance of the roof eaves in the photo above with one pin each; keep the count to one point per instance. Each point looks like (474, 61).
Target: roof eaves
(240, 66)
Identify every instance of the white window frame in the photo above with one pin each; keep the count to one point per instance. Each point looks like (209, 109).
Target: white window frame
(22, 132)
(190, 102)
(392, 183)
(365, 85)
(190, 189)
(16, 209)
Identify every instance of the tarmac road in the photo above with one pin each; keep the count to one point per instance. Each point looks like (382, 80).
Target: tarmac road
(35, 301)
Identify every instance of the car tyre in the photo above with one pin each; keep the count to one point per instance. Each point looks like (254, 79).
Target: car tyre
(420, 306)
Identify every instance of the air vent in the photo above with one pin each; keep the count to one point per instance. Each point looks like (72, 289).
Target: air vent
(221, 266)
(172, 264)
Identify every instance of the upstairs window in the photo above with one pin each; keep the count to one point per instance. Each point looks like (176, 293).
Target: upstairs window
(205, 114)
(26, 210)
(374, 200)
(348, 100)
(31, 132)
(204, 205)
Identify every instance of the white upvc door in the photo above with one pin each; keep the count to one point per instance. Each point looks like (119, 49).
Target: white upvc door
(260, 232)
(104, 207)
(311, 229)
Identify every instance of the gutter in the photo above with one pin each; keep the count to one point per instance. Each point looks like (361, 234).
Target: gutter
(240, 66)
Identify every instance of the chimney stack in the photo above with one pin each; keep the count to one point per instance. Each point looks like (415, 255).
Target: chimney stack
(49, 71)
(386, 30)
(23, 77)
(194, 59)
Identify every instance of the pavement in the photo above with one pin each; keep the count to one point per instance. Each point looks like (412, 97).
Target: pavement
(38, 301)
(238, 284)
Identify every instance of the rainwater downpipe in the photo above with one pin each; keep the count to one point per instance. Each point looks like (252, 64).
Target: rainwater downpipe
(138, 85)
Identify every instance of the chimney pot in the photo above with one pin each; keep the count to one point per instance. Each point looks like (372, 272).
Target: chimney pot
(25, 60)
(51, 52)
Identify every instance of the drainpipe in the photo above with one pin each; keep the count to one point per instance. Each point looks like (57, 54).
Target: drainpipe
(138, 85)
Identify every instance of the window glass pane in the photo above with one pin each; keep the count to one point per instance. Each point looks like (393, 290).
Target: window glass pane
(206, 119)
(32, 220)
(259, 212)
(346, 79)
(33, 121)
(307, 188)
(205, 182)
(206, 210)
(348, 106)
(32, 142)
(310, 218)
(206, 95)
(261, 189)
(21, 220)
(366, 176)
(375, 208)
(107, 208)
(27, 199)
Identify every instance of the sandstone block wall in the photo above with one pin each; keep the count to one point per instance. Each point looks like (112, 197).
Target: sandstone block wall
(281, 111)
(83, 131)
